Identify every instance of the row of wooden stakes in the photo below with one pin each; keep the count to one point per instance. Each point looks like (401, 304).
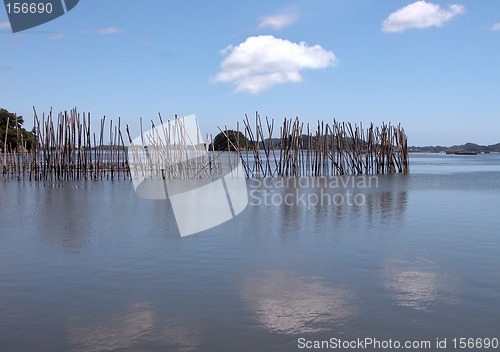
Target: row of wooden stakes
(327, 150)
(66, 148)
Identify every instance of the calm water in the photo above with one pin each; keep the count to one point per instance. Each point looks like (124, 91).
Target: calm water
(88, 266)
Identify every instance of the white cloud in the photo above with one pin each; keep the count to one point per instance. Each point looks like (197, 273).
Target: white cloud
(264, 61)
(58, 36)
(4, 24)
(278, 21)
(105, 31)
(495, 27)
(420, 14)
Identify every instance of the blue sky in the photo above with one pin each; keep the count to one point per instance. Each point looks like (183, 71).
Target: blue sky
(433, 66)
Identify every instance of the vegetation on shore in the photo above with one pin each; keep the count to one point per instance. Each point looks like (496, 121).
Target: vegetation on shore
(12, 134)
(228, 139)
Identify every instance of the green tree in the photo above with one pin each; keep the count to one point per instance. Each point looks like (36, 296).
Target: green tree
(16, 134)
(236, 138)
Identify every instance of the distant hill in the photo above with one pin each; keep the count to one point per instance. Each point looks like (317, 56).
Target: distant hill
(467, 147)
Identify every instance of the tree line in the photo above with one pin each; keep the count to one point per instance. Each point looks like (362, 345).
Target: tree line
(13, 136)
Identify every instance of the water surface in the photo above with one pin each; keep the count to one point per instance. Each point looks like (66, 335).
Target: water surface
(88, 266)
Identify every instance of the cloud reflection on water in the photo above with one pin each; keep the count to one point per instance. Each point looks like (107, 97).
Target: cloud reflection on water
(296, 305)
(418, 285)
(139, 326)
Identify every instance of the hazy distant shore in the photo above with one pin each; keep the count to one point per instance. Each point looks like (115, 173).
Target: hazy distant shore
(468, 147)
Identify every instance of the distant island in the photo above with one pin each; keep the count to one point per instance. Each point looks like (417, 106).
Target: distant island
(468, 148)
